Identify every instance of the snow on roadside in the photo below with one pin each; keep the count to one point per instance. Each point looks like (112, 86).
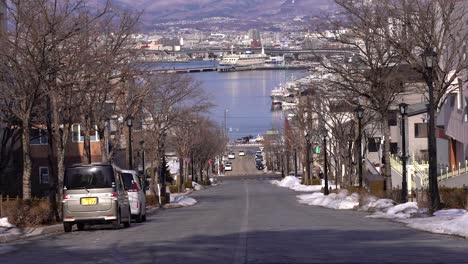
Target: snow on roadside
(294, 183)
(340, 201)
(4, 223)
(451, 221)
(182, 201)
(197, 186)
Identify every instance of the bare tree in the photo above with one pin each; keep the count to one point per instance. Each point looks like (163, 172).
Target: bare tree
(370, 76)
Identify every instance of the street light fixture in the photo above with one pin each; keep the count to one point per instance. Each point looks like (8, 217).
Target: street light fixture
(130, 152)
(429, 59)
(325, 161)
(306, 135)
(359, 113)
(142, 147)
(404, 184)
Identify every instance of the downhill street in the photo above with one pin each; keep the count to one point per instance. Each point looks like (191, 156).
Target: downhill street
(246, 220)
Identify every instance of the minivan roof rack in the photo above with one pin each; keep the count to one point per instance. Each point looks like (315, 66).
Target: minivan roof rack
(92, 164)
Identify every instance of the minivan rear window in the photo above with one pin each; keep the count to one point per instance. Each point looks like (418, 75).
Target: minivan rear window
(89, 177)
(128, 180)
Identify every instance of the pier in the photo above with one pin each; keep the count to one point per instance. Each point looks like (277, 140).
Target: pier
(231, 68)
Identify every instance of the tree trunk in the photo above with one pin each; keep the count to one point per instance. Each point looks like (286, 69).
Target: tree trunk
(387, 172)
(87, 139)
(180, 179)
(27, 164)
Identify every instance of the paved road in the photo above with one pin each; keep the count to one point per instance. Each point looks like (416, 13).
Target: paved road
(247, 221)
(244, 165)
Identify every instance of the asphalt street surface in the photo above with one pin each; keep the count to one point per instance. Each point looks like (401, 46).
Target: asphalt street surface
(246, 220)
(243, 165)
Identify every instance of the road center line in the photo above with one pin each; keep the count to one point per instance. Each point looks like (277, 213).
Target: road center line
(241, 249)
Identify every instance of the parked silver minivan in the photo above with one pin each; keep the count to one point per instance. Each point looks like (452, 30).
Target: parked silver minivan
(93, 194)
(136, 194)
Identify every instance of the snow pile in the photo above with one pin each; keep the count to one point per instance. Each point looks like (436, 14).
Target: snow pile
(451, 222)
(294, 183)
(4, 223)
(340, 201)
(197, 186)
(182, 201)
(398, 211)
(372, 204)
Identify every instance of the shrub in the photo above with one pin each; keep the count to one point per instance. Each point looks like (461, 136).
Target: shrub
(206, 182)
(453, 197)
(316, 181)
(173, 188)
(188, 184)
(31, 213)
(152, 200)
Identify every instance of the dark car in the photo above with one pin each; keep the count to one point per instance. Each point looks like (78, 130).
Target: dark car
(259, 166)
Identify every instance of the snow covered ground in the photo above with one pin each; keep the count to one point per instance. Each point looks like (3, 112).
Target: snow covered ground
(183, 200)
(452, 221)
(4, 223)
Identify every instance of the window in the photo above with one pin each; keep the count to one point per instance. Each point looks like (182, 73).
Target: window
(373, 145)
(392, 118)
(78, 134)
(420, 130)
(38, 137)
(43, 175)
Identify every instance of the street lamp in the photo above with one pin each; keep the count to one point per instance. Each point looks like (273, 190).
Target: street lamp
(404, 184)
(306, 135)
(429, 59)
(295, 162)
(130, 154)
(325, 161)
(359, 113)
(142, 147)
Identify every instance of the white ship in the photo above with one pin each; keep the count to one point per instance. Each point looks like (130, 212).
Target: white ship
(242, 60)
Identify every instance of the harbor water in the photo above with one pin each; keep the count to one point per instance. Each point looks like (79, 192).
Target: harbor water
(243, 97)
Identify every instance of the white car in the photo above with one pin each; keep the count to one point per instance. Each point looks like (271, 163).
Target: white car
(228, 167)
(241, 153)
(136, 195)
(231, 155)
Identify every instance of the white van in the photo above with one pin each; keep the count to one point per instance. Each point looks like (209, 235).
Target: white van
(136, 194)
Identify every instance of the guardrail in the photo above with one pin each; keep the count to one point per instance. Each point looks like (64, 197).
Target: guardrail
(421, 169)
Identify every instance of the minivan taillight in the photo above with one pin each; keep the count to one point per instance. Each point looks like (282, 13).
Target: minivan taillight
(134, 188)
(64, 197)
(114, 194)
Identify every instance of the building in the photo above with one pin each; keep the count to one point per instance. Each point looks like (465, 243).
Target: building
(254, 34)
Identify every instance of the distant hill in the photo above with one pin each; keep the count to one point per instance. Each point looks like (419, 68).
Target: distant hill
(163, 10)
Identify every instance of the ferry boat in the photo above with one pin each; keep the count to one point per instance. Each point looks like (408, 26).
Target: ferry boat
(242, 60)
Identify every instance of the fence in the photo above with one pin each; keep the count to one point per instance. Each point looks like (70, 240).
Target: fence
(419, 171)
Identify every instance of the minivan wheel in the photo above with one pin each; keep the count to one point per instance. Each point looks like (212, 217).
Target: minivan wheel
(139, 218)
(80, 226)
(116, 223)
(144, 216)
(67, 227)
(127, 224)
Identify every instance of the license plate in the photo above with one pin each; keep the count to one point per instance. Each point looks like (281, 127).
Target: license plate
(89, 201)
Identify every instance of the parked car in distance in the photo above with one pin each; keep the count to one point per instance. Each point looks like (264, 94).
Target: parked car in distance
(231, 155)
(136, 195)
(258, 153)
(228, 166)
(241, 153)
(259, 166)
(94, 193)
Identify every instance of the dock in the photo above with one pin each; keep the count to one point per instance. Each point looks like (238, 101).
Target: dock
(231, 69)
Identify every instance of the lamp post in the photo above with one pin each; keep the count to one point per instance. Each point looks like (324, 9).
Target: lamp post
(359, 113)
(404, 184)
(429, 58)
(142, 146)
(295, 162)
(306, 135)
(325, 161)
(130, 154)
